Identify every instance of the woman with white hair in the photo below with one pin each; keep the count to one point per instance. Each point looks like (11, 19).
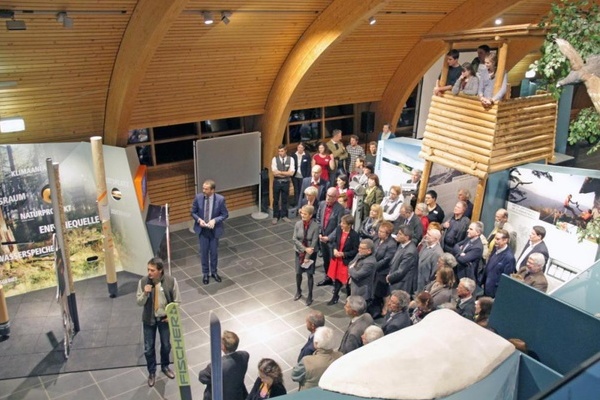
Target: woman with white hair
(310, 369)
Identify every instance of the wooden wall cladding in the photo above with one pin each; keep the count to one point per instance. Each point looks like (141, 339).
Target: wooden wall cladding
(461, 134)
(176, 187)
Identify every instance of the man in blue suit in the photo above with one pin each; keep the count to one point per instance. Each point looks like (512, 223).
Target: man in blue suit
(209, 211)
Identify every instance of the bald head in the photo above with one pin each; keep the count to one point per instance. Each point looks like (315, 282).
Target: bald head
(316, 173)
(433, 236)
(332, 195)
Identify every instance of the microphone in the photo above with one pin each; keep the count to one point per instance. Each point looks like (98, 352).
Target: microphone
(150, 281)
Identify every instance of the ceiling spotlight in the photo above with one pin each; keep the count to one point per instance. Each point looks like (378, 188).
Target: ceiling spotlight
(372, 21)
(64, 19)
(13, 124)
(498, 21)
(225, 15)
(12, 25)
(208, 17)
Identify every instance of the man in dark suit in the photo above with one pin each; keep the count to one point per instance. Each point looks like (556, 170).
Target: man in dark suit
(408, 218)
(403, 268)
(302, 163)
(465, 304)
(316, 181)
(535, 244)
(397, 316)
(468, 252)
(355, 308)
(329, 216)
(501, 261)
(209, 211)
(234, 364)
(385, 248)
(314, 320)
(362, 270)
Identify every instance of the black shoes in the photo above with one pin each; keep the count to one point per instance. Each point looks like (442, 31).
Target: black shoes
(297, 296)
(205, 279)
(216, 277)
(325, 282)
(333, 300)
(167, 371)
(309, 301)
(151, 380)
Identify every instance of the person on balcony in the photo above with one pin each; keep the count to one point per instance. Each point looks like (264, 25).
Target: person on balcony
(487, 81)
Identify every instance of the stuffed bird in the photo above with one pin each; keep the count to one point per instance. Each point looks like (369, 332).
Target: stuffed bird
(587, 72)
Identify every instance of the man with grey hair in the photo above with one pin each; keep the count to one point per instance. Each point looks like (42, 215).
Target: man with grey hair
(501, 261)
(465, 303)
(428, 258)
(397, 317)
(468, 252)
(362, 271)
(501, 222)
(316, 181)
(455, 227)
(372, 333)
(533, 273)
(465, 195)
(403, 267)
(408, 218)
(309, 198)
(314, 320)
(355, 308)
(310, 369)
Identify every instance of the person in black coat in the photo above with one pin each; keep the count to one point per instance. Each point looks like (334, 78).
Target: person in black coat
(314, 320)
(234, 365)
(468, 253)
(404, 265)
(269, 383)
(397, 317)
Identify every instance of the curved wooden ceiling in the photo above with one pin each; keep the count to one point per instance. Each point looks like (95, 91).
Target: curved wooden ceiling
(70, 84)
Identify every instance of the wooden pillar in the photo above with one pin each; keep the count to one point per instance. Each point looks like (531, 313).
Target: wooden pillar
(501, 68)
(104, 214)
(444, 77)
(4, 320)
(424, 181)
(478, 200)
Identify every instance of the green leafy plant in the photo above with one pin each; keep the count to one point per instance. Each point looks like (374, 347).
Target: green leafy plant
(585, 127)
(577, 22)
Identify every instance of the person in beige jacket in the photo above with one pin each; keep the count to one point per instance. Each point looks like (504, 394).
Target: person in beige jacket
(310, 369)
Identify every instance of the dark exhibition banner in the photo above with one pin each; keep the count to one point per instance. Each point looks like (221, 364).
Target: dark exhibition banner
(27, 220)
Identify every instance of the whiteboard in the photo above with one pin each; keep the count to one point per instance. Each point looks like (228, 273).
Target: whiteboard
(231, 161)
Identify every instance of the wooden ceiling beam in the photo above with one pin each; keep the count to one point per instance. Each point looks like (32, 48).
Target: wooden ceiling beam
(150, 21)
(338, 20)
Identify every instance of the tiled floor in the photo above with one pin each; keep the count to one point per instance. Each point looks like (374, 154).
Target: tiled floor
(254, 300)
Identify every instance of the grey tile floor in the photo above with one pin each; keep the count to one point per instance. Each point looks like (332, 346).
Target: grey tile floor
(254, 300)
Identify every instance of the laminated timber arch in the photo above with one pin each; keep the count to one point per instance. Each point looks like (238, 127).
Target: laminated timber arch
(338, 20)
(150, 21)
(425, 53)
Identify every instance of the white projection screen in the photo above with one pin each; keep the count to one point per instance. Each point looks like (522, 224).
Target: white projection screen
(231, 161)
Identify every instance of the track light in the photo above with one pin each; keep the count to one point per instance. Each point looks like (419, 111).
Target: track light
(208, 17)
(13, 124)
(498, 21)
(12, 25)
(372, 21)
(64, 19)
(225, 15)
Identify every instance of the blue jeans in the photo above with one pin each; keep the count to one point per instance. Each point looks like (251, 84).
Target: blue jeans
(149, 345)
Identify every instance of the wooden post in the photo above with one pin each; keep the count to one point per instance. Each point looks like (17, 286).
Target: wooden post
(444, 77)
(478, 203)
(424, 181)
(104, 214)
(60, 220)
(501, 68)
(4, 320)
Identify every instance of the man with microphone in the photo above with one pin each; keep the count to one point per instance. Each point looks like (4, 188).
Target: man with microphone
(154, 292)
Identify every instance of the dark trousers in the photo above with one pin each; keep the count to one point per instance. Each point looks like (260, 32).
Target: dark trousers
(297, 182)
(150, 342)
(326, 253)
(280, 189)
(209, 256)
